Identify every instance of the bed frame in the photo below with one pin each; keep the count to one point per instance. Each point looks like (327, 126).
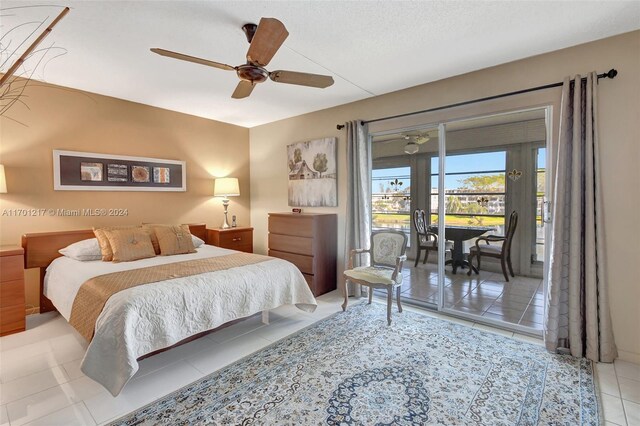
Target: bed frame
(40, 249)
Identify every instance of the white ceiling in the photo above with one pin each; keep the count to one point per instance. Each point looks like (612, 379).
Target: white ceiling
(369, 47)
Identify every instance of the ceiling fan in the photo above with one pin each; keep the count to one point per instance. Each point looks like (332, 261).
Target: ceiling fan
(412, 140)
(265, 39)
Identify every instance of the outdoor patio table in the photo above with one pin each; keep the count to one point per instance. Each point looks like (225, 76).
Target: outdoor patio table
(460, 234)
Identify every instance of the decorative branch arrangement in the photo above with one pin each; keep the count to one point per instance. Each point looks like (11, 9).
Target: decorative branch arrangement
(15, 79)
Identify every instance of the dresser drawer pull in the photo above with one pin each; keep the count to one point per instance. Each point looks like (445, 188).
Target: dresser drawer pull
(237, 239)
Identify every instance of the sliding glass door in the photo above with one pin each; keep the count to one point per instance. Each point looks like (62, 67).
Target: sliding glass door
(494, 188)
(481, 183)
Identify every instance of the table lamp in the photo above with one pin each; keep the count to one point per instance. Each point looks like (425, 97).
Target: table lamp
(226, 187)
(3, 181)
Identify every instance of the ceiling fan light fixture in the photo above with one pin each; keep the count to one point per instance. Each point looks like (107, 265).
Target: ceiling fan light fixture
(411, 148)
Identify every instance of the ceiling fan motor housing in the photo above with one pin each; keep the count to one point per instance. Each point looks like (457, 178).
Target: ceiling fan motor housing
(249, 31)
(252, 73)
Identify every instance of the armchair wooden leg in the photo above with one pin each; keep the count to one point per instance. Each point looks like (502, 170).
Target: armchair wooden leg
(470, 260)
(346, 295)
(426, 256)
(398, 298)
(503, 263)
(509, 265)
(370, 294)
(418, 257)
(389, 303)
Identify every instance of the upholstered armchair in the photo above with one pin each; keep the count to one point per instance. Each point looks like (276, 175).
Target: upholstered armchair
(387, 254)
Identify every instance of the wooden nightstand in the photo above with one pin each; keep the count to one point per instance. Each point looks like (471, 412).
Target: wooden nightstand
(240, 239)
(12, 309)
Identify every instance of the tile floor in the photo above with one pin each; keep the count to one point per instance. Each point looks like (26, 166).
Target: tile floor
(519, 301)
(41, 382)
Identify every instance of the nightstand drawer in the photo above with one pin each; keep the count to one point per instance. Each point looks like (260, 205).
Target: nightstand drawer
(11, 293)
(13, 319)
(11, 268)
(304, 263)
(235, 239)
(247, 248)
(291, 244)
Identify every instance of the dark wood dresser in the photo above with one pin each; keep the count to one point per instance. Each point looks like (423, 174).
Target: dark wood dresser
(240, 239)
(12, 308)
(309, 241)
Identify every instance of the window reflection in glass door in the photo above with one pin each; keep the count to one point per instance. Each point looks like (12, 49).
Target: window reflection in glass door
(391, 199)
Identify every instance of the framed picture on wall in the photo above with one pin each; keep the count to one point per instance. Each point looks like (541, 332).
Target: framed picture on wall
(140, 174)
(117, 172)
(161, 175)
(89, 171)
(312, 173)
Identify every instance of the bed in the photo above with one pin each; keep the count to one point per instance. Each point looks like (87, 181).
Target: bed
(148, 318)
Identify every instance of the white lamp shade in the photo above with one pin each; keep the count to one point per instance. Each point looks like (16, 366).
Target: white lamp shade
(3, 181)
(226, 187)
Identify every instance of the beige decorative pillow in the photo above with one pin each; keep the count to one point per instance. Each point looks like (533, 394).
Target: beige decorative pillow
(130, 244)
(105, 247)
(174, 240)
(152, 233)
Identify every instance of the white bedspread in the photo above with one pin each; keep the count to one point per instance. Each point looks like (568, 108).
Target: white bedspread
(149, 317)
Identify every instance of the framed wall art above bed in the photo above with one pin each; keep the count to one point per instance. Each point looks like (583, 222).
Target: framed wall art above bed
(88, 171)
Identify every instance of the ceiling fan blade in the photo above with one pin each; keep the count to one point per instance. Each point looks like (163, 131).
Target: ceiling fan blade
(301, 78)
(188, 58)
(268, 38)
(243, 89)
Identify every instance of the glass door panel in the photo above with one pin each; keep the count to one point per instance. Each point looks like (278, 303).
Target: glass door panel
(493, 173)
(399, 188)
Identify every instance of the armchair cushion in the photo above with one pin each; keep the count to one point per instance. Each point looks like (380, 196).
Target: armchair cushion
(486, 248)
(448, 245)
(373, 274)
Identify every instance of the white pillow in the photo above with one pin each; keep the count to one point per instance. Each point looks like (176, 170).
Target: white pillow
(197, 242)
(84, 250)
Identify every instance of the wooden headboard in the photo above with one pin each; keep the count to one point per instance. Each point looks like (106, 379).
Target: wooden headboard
(40, 249)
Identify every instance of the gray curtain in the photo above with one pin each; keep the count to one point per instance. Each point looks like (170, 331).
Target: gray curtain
(577, 317)
(358, 226)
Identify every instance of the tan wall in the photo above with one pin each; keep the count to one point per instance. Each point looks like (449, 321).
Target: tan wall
(619, 105)
(61, 118)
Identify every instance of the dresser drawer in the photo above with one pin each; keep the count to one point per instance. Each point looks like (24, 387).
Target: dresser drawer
(11, 268)
(304, 263)
(311, 283)
(291, 244)
(13, 319)
(299, 226)
(11, 293)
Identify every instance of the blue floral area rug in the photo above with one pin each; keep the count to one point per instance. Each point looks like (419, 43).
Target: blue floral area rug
(352, 369)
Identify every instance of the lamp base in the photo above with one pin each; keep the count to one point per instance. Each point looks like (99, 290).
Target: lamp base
(225, 224)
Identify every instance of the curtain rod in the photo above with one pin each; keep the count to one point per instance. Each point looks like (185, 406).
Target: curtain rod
(612, 73)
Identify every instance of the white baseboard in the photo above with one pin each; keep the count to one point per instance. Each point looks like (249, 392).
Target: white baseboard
(629, 356)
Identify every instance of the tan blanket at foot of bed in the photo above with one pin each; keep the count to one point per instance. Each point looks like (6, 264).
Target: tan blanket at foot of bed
(93, 294)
